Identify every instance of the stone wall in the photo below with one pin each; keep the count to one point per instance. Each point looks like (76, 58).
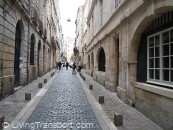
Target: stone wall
(155, 105)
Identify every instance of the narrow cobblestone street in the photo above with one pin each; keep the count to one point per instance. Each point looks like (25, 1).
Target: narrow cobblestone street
(65, 104)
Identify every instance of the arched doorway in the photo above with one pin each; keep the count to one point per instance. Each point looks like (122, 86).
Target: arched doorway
(18, 39)
(53, 59)
(44, 59)
(92, 63)
(32, 50)
(38, 58)
(101, 61)
(48, 59)
(88, 61)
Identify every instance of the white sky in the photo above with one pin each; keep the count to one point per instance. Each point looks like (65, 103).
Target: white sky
(68, 9)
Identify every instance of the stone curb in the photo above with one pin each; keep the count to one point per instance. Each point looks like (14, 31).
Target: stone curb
(103, 119)
(24, 114)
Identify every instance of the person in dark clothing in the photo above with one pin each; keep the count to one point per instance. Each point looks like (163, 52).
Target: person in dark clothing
(67, 64)
(74, 67)
(59, 65)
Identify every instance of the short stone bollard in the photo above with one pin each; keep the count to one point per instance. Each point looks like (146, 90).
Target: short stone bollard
(80, 75)
(118, 119)
(101, 99)
(28, 96)
(40, 85)
(1, 121)
(51, 75)
(84, 78)
(91, 87)
(45, 80)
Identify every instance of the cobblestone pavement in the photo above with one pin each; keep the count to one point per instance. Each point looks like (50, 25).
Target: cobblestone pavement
(65, 104)
(13, 104)
(132, 119)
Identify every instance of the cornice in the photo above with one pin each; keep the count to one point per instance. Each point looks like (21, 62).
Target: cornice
(91, 10)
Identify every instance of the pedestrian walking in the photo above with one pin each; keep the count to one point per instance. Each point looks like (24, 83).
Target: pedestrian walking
(59, 64)
(74, 68)
(67, 64)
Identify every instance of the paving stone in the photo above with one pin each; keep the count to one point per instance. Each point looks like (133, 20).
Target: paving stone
(63, 102)
(132, 119)
(13, 104)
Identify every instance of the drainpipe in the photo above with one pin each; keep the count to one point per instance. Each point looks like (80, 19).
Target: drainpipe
(51, 49)
(126, 74)
(2, 67)
(29, 26)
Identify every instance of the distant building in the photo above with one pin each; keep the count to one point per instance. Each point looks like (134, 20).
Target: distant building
(78, 47)
(69, 45)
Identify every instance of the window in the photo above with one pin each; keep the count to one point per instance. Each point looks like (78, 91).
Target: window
(160, 58)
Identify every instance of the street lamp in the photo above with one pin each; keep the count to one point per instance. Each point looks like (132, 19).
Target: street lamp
(68, 20)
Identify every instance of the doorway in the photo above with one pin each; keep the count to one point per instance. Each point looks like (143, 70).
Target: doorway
(38, 58)
(17, 55)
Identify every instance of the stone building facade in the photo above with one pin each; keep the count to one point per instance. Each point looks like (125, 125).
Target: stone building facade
(129, 50)
(78, 45)
(28, 41)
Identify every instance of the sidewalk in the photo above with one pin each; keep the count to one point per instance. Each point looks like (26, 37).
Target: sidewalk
(13, 104)
(132, 119)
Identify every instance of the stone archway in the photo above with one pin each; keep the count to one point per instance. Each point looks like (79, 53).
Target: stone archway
(137, 90)
(140, 27)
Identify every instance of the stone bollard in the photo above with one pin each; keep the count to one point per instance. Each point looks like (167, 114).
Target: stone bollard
(80, 75)
(28, 96)
(45, 80)
(51, 75)
(40, 85)
(101, 99)
(1, 121)
(118, 119)
(84, 78)
(91, 87)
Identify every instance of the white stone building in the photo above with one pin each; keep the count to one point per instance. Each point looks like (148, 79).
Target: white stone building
(78, 47)
(129, 49)
(69, 45)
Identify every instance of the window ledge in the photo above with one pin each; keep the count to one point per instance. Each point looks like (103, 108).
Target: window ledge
(155, 89)
(101, 73)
